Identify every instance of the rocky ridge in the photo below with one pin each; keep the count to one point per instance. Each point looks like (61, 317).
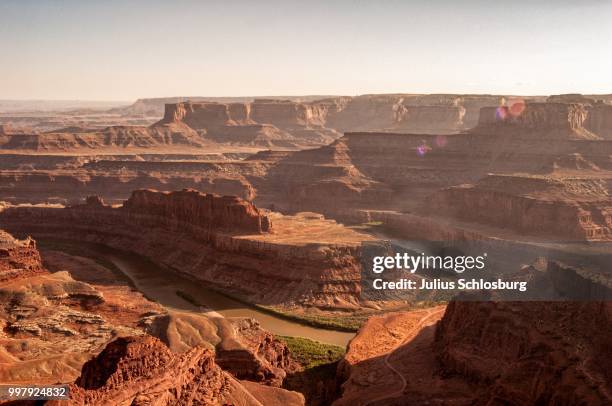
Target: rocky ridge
(230, 244)
(51, 322)
(482, 353)
(142, 370)
(54, 320)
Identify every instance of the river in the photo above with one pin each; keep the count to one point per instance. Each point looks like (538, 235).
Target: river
(162, 285)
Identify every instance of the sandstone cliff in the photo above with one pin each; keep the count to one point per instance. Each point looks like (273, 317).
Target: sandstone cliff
(599, 120)
(522, 353)
(72, 179)
(543, 147)
(298, 260)
(54, 320)
(18, 258)
(287, 123)
(51, 322)
(482, 353)
(573, 209)
(207, 212)
(107, 139)
(545, 120)
(264, 122)
(142, 371)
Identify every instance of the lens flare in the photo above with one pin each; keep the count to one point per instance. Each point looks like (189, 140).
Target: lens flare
(517, 107)
(441, 141)
(501, 113)
(422, 149)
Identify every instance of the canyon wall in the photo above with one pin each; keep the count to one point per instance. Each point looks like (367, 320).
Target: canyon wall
(55, 319)
(435, 113)
(52, 322)
(107, 139)
(18, 258)
(556, 175)
(482, 353)
(577, 118)
(242, 251)
(526, 353)
(559, 142)
(570, 209)
(263, 122)
(319, 122)
(66, 180)
(599, 120)
(207, 212)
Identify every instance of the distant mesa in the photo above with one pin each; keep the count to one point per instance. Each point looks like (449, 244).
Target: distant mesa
(574, 117)
(18, 258)
(208, 211)
(282, 123)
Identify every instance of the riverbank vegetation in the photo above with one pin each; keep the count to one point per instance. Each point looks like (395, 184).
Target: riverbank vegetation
(317, 381)
(310, 353)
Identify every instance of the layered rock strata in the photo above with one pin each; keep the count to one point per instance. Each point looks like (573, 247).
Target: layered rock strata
(142, 370)
(51, 323)
(544, 159)
(107, 139)
(265, 257)
(483, 353)
(18, 258)
(526, 143)
(54, 320)
(67, 181)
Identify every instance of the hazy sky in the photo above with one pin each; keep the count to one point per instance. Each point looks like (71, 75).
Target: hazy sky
(123, 50)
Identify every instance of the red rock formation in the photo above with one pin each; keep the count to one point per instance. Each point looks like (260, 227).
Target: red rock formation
(110, 138)
(51, 322)
(373, 170)
(573, 209)
(254, 134)
(429, 119)
(599, 120)
(223, 241)
(73, 178)
(287, 114)
(260, 356)
(549, 120)
(142, 370)
(483, 353)
(18, 258)
(527, 353)
(203, 116)
(292, 122)
(280, 123)
(208, 212)
(407, 172)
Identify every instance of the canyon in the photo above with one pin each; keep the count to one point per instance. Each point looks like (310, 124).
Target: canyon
(481, 353)
(55, 319)
(272, 201)
(280, 123)
(265, 258)
(544, 154)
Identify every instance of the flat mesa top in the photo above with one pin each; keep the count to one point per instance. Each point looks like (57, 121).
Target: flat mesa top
(308, 228)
